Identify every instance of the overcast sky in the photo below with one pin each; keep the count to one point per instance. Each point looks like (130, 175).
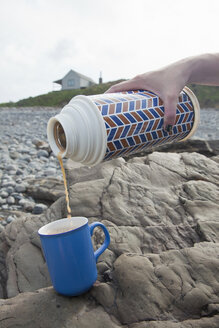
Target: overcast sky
(41, 40)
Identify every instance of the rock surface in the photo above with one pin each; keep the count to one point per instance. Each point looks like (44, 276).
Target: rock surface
(161, 269)
(46, 189)
(44, 308)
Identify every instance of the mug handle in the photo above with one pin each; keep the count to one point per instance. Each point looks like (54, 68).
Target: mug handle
(106, 243)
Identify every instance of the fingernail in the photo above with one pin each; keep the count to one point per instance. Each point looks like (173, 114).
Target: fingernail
(169, 128)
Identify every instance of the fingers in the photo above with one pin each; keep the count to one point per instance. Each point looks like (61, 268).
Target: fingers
(170, 101)
(170, 105)
(125, 86)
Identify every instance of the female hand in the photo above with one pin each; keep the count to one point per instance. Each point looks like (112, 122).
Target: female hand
(168, 82)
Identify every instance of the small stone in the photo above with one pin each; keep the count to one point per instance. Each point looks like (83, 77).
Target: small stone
(26, 158)
(5, 207)
(24, 151)
(16, 196)
(22, 164)
(22, 201)
(5, 158)
(5, 179)
(36, 141)
(30, 176)
(29, 143)
(3, 222)
(31, 199)
(19, 172)
(53, 163)
(10, 200)
(12, 172)
(42, 145)
(4, 194)
(32, 152)
(39, 208)
(10, 219)
(28, 206)
(11, 167)
(15, 207)
(15, 142)
(50, 171)
(11, 148)
(2, 201)
(14, 154)
(10, 189)
(20, 188)
(39, 175)
(34, 165)
(42, 153)
(9, 183)
(44, 159)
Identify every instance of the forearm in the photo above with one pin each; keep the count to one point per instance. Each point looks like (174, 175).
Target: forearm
(203, 69)
(169, 81)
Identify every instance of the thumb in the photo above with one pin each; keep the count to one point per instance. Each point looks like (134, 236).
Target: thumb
(170, 105)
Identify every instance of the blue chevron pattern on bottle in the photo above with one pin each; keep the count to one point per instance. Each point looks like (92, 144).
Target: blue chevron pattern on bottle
(134, 121)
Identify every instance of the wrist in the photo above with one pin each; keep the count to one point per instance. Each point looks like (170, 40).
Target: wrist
(195, 66)
(178, 74)
(186, 68)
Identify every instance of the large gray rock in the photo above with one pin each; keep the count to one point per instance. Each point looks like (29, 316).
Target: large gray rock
(161, 268)
(205, 322)
(45, 308)
(208, 148)
(47, 189)
(27, 270)
(173, 285)
(3, 271)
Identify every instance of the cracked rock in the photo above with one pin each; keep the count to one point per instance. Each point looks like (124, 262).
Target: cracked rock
(161, 269)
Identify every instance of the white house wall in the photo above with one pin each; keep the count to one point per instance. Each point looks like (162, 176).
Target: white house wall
(68, 79)
(84, 83)
(73, 80)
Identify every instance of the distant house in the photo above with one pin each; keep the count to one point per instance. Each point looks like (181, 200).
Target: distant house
(74, 80)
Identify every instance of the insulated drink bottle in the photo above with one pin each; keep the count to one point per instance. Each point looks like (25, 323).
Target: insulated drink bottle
(91, 129)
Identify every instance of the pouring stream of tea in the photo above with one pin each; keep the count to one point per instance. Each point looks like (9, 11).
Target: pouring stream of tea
(59, 156)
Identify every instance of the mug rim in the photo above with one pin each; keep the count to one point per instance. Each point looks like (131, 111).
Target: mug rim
(42, 230)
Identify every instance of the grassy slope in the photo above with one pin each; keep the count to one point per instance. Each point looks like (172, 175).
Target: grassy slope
(207, 96)
(59, 98)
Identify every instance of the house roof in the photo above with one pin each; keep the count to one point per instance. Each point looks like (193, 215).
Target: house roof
(79, 74)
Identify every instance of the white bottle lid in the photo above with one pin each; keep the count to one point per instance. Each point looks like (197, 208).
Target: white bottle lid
(78, 132)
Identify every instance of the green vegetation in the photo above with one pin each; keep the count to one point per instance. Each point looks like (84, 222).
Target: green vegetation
(207, 96)
(59, 98)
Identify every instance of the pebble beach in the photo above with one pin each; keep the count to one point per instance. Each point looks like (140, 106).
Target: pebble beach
(25, 154)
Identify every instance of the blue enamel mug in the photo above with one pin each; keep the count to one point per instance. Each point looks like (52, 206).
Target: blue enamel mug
(69, 254)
